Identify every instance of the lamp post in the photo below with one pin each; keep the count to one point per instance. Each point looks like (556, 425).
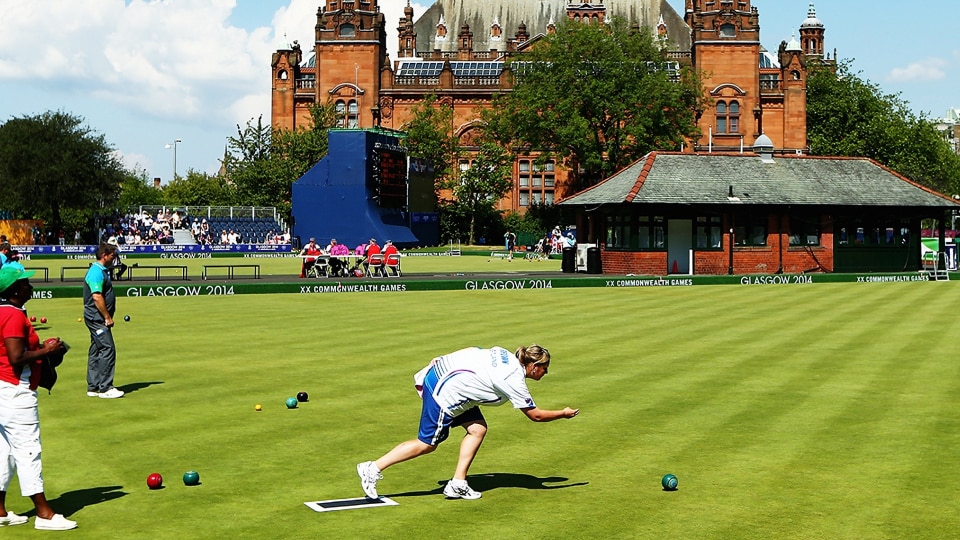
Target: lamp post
(174, 146)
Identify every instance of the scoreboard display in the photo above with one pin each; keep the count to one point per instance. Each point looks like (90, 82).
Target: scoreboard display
(388, 177)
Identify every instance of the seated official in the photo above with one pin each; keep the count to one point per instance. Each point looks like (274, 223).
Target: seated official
(372, 249)
(390, 250)
(310, 252)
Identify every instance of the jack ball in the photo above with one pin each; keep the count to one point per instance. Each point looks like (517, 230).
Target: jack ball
(302, 397)
(669, 482)
(291, 403)
(258, 407)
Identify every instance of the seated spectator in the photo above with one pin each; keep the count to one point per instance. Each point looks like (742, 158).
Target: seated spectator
(13, 259)
(390, 250)
(310, 252)
(224, 238)
(338, 266)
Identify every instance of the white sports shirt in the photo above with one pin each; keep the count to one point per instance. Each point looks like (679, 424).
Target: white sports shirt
(475, 376)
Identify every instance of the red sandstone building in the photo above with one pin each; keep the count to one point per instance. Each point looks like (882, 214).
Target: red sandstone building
(457, 51)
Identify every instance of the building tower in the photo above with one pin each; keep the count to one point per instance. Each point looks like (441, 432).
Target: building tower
(407, 36)
(286, 76)
(811, 35)
(791, 124)
(726, 48)
(351, 49)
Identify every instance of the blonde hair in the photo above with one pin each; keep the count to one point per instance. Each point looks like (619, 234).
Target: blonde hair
(533, 354)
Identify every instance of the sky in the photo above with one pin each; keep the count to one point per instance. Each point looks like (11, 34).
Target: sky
(145, 73)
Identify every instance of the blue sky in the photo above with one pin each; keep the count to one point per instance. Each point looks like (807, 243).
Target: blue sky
(146, 72)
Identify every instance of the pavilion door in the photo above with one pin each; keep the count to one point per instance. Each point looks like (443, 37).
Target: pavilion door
(679, 244)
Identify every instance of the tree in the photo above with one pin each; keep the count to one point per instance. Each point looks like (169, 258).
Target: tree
(850, 116)
(199, 189)
(598, 97)
(480, 187)
(136, 189)
(430, 136)
(52, 164)
(263, 163)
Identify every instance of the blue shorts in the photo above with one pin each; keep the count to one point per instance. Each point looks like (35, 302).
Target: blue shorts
(434, 422)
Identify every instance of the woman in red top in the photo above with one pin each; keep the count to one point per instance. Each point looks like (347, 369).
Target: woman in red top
(20, 358)
(310, 252)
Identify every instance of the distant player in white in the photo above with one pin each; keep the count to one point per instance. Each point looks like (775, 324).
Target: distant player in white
(452, 386)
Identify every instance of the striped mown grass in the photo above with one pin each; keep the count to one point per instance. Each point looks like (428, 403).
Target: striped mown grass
(817, 411)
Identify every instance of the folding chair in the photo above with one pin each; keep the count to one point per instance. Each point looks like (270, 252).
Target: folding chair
(375, 265)
(320, 267)
(393, 263)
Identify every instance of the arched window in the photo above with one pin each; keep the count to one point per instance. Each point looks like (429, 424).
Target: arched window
(795, 74)
(728, 117)
(341, 110)
(282, 74)
(728, 30)
(353, 118)
(734, 117)
(348, 30)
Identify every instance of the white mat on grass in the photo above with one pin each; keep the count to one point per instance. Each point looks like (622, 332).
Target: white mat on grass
(349, 504)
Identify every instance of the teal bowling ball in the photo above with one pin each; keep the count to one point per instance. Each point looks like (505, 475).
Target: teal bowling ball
(191, 478)
(669, 482)
(291, 403)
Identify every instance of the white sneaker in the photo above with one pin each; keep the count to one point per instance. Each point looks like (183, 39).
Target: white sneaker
(12, 519)
(369, 475)
(93, 394)
(459, 489)
(56, 523)
(112, 393)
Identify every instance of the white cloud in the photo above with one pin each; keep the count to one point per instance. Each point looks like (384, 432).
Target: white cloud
(162, 59)
(930, 69)
(140, 67)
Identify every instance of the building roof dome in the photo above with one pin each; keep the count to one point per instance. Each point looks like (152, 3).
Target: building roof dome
(794, 45)
(812, 20)
(763, 142)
